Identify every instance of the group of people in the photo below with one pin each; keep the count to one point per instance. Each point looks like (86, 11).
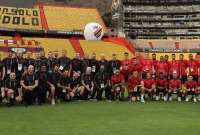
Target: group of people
(41, 79)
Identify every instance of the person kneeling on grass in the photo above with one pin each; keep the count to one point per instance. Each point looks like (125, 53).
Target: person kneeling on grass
(12, 90)
(191, 89)
(117, 84)
(29, 83)
(64, 85)
(161, 87)
(88, 84)
(134, 85)
(175, 88)
(148, 86)
(76, 87)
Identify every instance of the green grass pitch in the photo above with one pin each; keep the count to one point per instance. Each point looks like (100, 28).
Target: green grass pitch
(102, 118)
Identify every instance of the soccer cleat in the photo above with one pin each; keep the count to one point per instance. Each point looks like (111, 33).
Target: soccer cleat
(165, 98)
(187, 99)
(142, 100)
(195, 100)
(179, 99)
(53, 102)
(157, 98)
(170, 98)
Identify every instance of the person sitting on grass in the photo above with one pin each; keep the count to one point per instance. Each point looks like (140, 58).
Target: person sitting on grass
(175, 88)
(191, 89)
(148, 86)
(12, 90)
(29, 83)
(117, 84)
(64, 86)
(161, 87)
(134, 86)
(87, 83)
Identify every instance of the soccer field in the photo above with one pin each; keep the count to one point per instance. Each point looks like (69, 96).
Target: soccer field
(102, 118)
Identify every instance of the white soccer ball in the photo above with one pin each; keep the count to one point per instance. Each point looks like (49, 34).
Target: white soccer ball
(93, 31)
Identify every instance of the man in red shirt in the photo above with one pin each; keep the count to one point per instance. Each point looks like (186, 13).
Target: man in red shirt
(161, 86)
(193, 67)
(135, 66)
(124, 66)
(147, 65)
(183, 68)
(148, 86)
(162, 66)
(191, 89)
(175, 87)
(174, 66)
(134, 85)
(117, 84)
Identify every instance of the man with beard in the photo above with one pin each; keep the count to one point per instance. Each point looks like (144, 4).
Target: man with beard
(64, 61)
(12, 91)
(87, 82)
(9, 64)
(44, 85)
(101, 82)
(76, 64)
(93, 63)
(29, 83)
(113, 65)
(64, 86)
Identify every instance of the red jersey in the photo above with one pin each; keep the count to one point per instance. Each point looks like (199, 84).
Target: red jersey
(175, 84)
(148, 83)
(135, 67)
(133, 82)
(191, 84)
(161, 83)
(174, 66)
(116, 79)
(193, 67)
(147, 65)
(162, 67)
(125, 62)
(183, 66)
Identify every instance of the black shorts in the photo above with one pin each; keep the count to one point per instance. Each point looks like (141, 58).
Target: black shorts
(184, 78)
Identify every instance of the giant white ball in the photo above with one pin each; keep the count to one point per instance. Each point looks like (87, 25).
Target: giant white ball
(93, 31)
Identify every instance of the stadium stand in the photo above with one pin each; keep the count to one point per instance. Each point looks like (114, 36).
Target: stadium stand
(63, 18)
(23, 19)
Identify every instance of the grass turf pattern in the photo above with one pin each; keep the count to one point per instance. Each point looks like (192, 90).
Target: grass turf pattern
(102, 118)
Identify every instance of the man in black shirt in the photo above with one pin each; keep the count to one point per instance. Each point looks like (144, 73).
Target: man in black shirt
(64, 61)
(85, 63)
(2, 71)
(29, 83)
(76, 64)
(103, 62)
(9, 65)
(28, 60)
(93, 63)
(76, 87)
(101, 82)
(11, 91)
(113, 65)
(53, 80)
(87, 82)
(64, 86)
(51, 62)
